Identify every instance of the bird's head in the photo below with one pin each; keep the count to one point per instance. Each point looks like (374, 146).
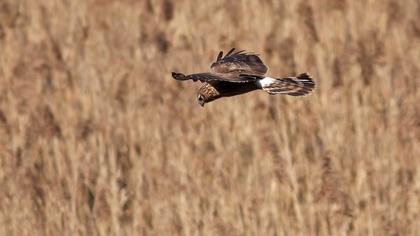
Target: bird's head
(206, 94)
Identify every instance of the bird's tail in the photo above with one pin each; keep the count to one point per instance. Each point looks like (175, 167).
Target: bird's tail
(294, 86)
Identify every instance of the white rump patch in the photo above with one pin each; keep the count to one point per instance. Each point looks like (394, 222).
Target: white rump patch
(266, 81)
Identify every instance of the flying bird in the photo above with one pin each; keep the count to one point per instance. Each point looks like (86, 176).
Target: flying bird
(240, 72)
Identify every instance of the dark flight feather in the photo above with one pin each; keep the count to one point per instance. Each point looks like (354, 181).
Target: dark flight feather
(239, 62)
(213, 77)
(219, 56)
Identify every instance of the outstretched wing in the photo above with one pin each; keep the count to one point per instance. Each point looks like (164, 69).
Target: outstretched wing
(239, 62)
(211, 77)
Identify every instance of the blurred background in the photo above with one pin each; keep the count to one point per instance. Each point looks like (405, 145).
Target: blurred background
(97, 139)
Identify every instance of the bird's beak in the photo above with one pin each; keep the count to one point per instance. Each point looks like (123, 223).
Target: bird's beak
(201, 103)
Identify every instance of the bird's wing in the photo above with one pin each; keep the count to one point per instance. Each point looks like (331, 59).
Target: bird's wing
(211, 77)
(239, 62)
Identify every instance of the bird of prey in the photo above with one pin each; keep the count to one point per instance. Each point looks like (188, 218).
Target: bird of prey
(240, 72)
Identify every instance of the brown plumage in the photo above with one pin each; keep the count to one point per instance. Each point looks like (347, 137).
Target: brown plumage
(241, 72)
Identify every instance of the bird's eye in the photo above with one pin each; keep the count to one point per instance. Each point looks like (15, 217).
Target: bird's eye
(200, 98)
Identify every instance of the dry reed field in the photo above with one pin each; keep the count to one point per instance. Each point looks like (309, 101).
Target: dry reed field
(96, 138)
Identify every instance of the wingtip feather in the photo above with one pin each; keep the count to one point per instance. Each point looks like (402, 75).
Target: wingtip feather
(230, 52)
(179, 76)
(219, 56)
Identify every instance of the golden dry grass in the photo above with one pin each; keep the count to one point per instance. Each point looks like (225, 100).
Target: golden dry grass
(97, 139)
